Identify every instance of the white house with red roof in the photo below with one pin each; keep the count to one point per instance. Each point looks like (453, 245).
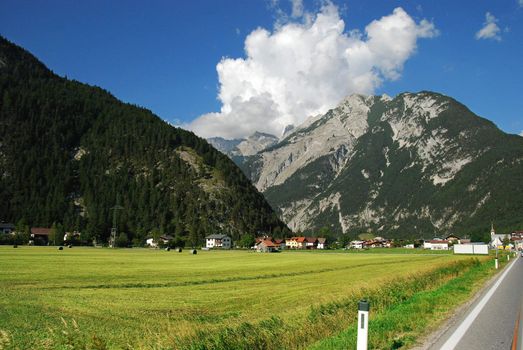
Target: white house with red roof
(266, 246)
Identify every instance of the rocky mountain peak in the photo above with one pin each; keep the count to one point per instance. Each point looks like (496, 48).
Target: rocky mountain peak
(354, 167)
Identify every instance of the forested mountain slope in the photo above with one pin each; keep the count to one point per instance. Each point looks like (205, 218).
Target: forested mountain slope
(68, 151)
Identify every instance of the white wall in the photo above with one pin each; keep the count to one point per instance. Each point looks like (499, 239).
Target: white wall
(471, 249)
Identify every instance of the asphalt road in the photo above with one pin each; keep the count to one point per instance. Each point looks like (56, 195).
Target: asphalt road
(493, 327)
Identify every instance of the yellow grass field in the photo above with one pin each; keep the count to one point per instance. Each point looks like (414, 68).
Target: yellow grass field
(141, 298)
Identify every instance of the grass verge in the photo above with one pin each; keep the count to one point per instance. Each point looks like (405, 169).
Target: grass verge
(402, 324)
(328, 319)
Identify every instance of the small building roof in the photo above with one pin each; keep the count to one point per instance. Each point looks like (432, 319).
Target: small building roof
(322, 240)
(6, 225)
(216, 236)
(268, 243)
(40, 231)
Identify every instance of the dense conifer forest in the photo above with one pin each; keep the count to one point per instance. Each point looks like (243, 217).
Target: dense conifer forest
(69, 152)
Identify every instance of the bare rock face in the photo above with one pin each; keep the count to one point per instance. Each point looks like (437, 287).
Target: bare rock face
(415, 165)
(243, 147)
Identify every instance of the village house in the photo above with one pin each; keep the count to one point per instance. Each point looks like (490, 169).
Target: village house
(496, 239)
(39, 235)
(436, 244)
(280, 243)
(517, 242)
(7, 228)
(322, 243)
(218, 241)
(68, 236)
(517, 234)
(311, 242)
(373, 243)
(383, 242)
(301, 242)
(163, 239)
(263, 238)
(291, 243)
(296, 243)
(357, 245)
(453, 239)
(266, 246)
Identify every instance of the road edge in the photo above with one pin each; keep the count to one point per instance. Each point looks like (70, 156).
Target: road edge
(428, 341)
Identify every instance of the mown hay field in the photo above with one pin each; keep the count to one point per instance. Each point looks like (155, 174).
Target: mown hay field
(141, 298)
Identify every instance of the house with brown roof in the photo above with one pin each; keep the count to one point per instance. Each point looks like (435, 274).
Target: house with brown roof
(301, 242)
(280, 243)
(453, 239)
(311, 242)
(266, 246)
(40, 235)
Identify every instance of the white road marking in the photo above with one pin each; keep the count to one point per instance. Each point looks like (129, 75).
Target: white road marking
(467, 322)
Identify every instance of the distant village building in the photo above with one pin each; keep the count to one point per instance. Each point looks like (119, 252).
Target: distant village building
(453, 239)
(436, 244)
(296, 243)
(305, 243)
(311, 242)
(71, 235)
(322, 243)
(7, 228)
(266, 246)
(40, 235)
(357, 245)
(496, 240)
(291, 243)
(163, 239)
(516, 238)
(218, 241)
(280, 243)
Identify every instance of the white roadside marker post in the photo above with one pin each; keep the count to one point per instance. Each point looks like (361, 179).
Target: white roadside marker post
(363, 324)
(496, 261)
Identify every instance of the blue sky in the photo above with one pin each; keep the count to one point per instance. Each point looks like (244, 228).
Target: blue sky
(163, 54)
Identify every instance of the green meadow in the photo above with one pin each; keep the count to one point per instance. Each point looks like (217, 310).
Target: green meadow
(100, 298)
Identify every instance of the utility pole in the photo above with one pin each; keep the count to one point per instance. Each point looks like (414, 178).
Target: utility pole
(114, 229)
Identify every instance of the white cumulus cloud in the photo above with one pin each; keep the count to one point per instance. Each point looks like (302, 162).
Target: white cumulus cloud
(305, 68)
(297, 8)
(490, 28)
(521, 133)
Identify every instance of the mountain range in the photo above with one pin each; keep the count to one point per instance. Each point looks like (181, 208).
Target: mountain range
(416, 165)
(70, 152)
